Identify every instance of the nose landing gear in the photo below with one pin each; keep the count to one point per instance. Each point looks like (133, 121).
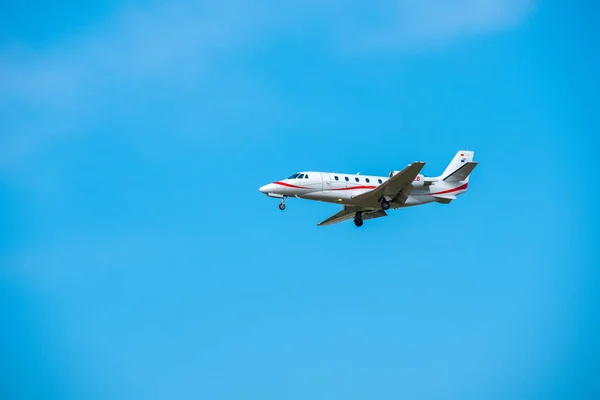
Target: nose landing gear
(282, 205)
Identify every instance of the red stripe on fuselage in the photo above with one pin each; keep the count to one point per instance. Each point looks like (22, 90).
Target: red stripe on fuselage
(357, 187)
(462, 187)
(288, 185)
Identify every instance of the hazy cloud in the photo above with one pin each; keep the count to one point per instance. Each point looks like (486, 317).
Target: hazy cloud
(145, 51)
(395, 25)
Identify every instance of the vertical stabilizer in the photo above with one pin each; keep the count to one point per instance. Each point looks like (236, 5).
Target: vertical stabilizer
(460, 159)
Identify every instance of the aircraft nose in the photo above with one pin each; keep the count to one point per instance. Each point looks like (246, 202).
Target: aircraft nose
(267, 188)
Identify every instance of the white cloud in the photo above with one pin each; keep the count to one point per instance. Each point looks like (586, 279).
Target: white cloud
(186, 44)
(411, 23)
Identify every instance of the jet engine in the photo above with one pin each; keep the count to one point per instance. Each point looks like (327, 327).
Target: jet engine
(419, 181)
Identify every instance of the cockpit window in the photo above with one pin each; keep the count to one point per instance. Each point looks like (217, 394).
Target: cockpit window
(306, 176)
(301, 176)
(293, 176)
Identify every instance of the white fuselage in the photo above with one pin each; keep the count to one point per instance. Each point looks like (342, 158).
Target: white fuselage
(342, 188)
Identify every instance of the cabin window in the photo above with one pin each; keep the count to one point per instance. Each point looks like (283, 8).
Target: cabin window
(380, 181)
(356, 179)
(367, 180)
(337, 179)
(347, 179)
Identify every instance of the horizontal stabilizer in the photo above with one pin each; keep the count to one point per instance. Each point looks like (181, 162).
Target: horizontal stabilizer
(444, 199)
(462, 173)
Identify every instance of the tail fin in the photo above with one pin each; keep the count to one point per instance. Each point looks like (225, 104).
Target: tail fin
(460, 159)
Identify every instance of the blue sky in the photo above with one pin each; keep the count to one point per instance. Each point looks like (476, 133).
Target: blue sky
(139, 260)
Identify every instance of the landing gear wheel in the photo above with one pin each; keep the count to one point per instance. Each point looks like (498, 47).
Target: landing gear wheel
(282, 206)
(385, 205)
(358, 219)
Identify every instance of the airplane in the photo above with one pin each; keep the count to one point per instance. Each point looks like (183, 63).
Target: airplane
(368, 197)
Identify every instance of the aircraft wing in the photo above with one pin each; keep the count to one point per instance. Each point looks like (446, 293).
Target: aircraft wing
(349, 212)
(393, 186)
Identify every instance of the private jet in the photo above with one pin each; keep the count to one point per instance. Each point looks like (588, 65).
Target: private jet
(366, 197)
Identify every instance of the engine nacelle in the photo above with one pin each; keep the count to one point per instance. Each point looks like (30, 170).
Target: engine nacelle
(419, 181)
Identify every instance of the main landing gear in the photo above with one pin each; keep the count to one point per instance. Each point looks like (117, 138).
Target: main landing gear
(358, 219)
(385, 205)
(282, 205)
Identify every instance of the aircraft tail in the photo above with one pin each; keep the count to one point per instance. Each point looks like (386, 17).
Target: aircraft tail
(460, 167)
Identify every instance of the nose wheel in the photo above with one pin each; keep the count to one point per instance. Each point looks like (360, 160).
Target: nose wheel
(282, 204)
